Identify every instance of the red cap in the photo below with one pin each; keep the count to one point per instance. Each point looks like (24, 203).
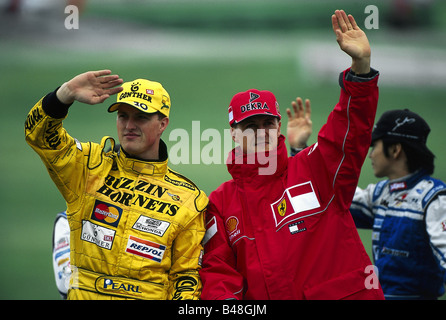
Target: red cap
(251, 103)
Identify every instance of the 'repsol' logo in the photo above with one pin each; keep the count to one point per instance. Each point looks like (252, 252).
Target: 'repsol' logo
(145, 249)
(106, 213)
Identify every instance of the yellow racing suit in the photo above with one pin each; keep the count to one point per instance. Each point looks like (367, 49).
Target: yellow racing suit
(136, 226)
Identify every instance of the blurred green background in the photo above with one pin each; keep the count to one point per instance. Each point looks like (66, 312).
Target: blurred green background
(203, 52)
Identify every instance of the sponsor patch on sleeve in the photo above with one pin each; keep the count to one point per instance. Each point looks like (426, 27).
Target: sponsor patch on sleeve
(211, 230)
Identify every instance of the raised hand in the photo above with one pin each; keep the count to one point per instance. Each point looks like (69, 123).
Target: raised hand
(299, 125)
(91, 87)
(352, 40)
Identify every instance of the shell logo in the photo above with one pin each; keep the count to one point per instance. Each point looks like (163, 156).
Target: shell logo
(231, 224)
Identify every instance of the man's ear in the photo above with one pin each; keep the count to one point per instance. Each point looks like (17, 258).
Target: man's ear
(164, 122)
(396, 150)
(233, 134)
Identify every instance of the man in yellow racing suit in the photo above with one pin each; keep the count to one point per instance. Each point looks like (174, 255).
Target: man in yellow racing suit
(136, 225)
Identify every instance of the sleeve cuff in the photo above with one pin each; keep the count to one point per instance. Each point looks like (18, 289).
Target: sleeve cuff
(53, 107)
(351, 76)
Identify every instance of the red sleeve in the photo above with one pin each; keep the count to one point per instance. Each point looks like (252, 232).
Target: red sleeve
(219, 274)
(343, 142)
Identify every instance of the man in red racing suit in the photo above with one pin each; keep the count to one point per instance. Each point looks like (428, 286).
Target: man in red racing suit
(289, 235)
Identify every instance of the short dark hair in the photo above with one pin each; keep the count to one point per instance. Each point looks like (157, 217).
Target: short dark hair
(160, 115)
(415, 159)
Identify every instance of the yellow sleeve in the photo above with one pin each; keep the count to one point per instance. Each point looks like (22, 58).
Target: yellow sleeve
(62, 155)
(187, 252)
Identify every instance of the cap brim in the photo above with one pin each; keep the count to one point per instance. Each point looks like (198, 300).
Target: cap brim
(376, 136)
(258, 114)
(116, 105)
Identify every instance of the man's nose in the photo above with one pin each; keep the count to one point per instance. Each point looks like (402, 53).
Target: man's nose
(130, 124)
(261, 131)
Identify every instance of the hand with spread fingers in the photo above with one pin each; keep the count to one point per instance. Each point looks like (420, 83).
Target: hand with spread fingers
(352, 40)
(90, 87)
(299, 127)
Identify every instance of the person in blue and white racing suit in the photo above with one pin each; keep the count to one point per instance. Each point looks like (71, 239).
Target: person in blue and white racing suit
(407, 212)
(61, 253)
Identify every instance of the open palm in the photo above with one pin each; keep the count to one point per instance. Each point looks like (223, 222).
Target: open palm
(352, 40)
(90, 87)
(299, 125)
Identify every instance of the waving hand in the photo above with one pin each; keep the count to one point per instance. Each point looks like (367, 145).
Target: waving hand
(352, 40)
(90, 87)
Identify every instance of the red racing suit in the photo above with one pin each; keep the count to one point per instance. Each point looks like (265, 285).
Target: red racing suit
(290, 235)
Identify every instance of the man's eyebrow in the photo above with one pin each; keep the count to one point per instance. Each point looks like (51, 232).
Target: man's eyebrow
(249, 121)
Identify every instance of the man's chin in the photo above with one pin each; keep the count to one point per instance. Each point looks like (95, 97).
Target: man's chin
(379, 174)
(130, 149)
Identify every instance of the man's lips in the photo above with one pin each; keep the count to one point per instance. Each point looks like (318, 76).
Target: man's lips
(131, 135)
(260, 143)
